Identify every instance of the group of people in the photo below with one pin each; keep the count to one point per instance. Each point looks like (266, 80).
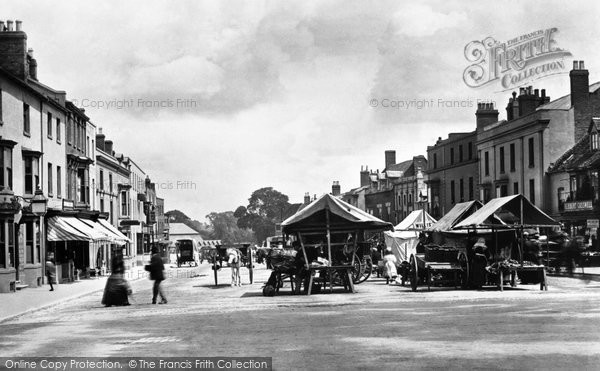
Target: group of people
(118, 290)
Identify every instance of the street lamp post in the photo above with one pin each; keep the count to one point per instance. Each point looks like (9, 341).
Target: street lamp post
(39, 206)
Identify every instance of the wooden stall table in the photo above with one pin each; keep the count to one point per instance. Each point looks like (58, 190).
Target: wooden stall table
(514, 270)
(345, 272)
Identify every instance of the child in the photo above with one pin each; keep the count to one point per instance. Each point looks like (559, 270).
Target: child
(390, 266)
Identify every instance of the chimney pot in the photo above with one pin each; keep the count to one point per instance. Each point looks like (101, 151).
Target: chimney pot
(543, 93)
(1, 26)
(521, 91)
(537, 92)
(18, 25)
(575, 65)
(9, 25)
(581, 66)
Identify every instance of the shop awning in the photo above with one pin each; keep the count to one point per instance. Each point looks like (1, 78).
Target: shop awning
(68, 228)
(107, 234)
(120, 238)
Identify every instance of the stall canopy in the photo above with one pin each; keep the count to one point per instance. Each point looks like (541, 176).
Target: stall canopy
(414, 221)
(342, 215)
(405, 237)
(459, 212)
(511, 210)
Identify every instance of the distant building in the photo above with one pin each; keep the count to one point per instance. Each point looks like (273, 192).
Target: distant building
(574, 180)
(452, 171)
(396, 191)
(178, 231)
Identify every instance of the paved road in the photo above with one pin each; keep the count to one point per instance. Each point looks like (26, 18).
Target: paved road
(381, 326)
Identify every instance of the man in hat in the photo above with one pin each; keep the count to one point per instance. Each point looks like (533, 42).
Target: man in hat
(479, 263)
(157, 274)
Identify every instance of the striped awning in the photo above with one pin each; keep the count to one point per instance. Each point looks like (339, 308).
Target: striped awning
(69, 228)
(210, 243)
(119, 237)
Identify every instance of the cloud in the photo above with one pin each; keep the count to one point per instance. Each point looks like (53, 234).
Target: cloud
(415, 20)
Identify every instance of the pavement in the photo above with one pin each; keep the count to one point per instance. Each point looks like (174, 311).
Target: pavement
(28, 300)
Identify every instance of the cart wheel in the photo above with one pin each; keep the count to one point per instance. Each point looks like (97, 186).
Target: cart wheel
(464, 275)
(414, 273)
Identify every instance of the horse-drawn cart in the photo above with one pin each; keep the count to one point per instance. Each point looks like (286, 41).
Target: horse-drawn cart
(220, 254)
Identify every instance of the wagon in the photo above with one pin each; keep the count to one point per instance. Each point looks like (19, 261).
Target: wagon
(440, 264)
(218, 256)
(328, 235)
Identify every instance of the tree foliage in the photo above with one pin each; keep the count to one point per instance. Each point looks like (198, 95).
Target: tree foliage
(225, 228)
(266, 207)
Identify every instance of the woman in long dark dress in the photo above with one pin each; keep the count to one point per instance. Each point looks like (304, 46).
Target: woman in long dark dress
(117, 289)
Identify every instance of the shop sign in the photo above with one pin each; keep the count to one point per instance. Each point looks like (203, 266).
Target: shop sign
(593, 223)
(579, 205)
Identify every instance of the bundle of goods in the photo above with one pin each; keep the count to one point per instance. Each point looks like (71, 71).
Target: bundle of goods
(283, 260)
(507, 264)
(434, 253)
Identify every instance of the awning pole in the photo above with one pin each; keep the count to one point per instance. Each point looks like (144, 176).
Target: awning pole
(328, 235)
(522, 240)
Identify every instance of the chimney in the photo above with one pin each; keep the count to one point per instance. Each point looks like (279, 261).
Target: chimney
(100, 140)
(365, 179)
(486, 114)
(336, 189)
(32, 64)
(528, 101)
(390, 158)
(580, 98)
(306, 198)
(13, 51)
(108, 147)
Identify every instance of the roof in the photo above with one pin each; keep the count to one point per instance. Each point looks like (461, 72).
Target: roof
(459, 212)
(342, 215)
(402, 166)
(580, 156)
(414, 220)
(182, 229)
(564, 103)
(515, 206)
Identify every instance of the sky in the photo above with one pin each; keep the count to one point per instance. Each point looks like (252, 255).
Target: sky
(215, 99)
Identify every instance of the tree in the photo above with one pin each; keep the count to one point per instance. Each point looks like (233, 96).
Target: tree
(266, 207)
(225, 228)
(268, 203)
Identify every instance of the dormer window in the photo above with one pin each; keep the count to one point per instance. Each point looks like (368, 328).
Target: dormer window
(595, 141)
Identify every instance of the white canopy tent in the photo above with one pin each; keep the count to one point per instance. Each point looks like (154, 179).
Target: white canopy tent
(405, 237)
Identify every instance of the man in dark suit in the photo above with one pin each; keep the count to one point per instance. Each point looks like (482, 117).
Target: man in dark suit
(157, 274)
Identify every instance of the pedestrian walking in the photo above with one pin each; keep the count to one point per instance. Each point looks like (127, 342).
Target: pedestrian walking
(50, 270)
(117, 289)
(234, 263)
(390, 266)
(157, 274)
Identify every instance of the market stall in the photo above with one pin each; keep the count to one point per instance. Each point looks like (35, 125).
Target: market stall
(328, 232)
(516, 213)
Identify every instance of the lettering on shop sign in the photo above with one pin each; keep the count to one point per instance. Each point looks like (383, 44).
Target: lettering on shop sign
(578, 205)
(514, 62)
